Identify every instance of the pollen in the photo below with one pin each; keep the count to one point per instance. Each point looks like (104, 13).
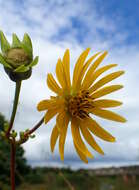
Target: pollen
(79, 105)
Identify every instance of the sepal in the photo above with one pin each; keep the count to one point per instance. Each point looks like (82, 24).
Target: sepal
(5, 46)
(16, 43)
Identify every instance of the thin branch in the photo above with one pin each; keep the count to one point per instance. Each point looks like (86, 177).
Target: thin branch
(29, 132)
(35, 127)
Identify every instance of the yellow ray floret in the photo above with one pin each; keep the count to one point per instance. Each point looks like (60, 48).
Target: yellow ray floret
(76, 102)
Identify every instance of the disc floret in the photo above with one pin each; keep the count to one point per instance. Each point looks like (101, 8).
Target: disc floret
(78, 105)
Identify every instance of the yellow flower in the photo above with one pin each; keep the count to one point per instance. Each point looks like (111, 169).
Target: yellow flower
(75, 102)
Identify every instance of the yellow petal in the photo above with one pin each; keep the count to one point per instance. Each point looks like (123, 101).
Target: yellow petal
(66, 66)
(52, 84)
(83, 70)
(63, 132)
(95, 128)
(104, 103)
(54, 137)
(105, 80)
(51, 113)
(102, 70)
(106, 114)
(87, 82)
(43, 105)
(78, 66)
(89, 138)
(81, 155)
(106, 90)
(99, 72)
(60, 120)
(50, 104)
(60, 73)
(78, 140)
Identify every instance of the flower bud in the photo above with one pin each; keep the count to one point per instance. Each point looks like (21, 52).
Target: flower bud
(22, 134)
(14, 134)
(32, 136)
(17, 58)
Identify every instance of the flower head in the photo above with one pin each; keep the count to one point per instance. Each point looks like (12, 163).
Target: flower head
(76, 102)
(17, 58)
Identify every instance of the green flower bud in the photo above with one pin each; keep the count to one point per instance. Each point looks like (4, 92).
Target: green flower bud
(32, 136)
(17, 58)
(14, 134)
(22, 135)
(27, 130)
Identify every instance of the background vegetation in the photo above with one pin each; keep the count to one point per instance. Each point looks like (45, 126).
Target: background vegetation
(28, 178)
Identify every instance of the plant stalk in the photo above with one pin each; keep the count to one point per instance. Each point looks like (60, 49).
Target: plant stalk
(35, 127)
(12, 140)
(13, 153)
(16, 98)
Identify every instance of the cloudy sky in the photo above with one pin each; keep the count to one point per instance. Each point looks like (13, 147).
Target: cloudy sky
(55, 25)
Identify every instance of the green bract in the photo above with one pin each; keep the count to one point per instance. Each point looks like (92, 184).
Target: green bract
(17, 58)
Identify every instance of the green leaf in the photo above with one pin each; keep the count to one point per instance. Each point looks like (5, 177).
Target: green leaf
(5, 46)
(16, 43)
(21, 69)
(2, 61)
(34, 62)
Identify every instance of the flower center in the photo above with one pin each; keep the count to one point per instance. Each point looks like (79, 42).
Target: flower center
(79, 105)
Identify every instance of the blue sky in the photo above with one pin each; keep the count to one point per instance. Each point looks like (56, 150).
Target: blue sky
(124, 14)
(55, 25)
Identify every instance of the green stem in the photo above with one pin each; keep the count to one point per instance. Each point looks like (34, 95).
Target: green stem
(16, 98)
(13, 153)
